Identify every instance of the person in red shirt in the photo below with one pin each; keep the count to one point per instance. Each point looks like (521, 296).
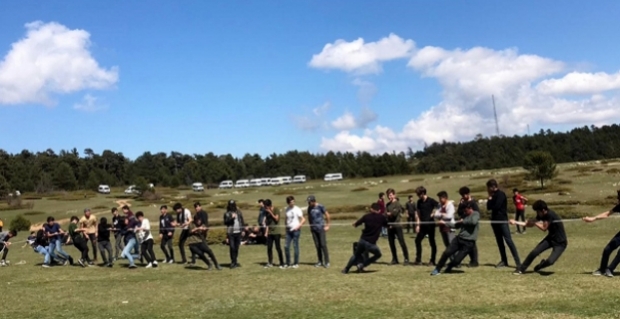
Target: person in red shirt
(519, 201)
(381, 203)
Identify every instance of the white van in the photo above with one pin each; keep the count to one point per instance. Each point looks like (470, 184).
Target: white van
(333, 177)
(265, 181)
(286, 179)
(276, 181)
(103, 189)
(256, 182)
(131, 190)
(242, 183)
(198, 187)
(226, 184)
(299, 179)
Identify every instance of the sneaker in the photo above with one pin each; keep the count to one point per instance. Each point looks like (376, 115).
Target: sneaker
(326, 265)
(609, 273)
(66, 263)
(344, 271)
(417, 263)
(283, 266)
(539, 266)
(360, 268)
(319, 264)
(406, 263)
(110, 265)
(597, 273)
(171, 261)
(501, 265)
(70, 261)
(150, 265)
(81, 262)
(517, 272)
(394, 262)
(209, 267)
(268, 266)
(132, 267)
(435, 272)
(295, 266)
(45, 266)
(473, 265)
(90, 263)
(432, 264)
(218, 267)
(448, 270)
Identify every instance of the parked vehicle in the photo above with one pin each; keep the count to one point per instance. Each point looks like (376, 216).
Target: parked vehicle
(131, 190)
(333, 177)
(264, 181)
(287, 179)
(276, 181)
(198, 187)
(256, 182)
(299, 179)
(242, 183)
(226, 184)
(103, 189)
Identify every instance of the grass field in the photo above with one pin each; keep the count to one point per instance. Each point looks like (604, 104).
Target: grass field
(172, 291)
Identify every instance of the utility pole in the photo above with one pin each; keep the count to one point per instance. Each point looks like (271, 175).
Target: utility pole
(495, 114)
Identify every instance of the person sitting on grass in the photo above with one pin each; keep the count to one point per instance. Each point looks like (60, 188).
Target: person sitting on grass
(4, 245)
(103, 241)
(197, 242)
(145, 238)
(614, 243)
(38, 241)
(373, 223)
(462, 244)
(79, 241)
(546, 220)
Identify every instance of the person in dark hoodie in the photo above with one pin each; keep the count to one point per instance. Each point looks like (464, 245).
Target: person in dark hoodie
(103, 240)
(79, 241)
(464, 242)
(166, 233)
(117, 225)
(197, 242)
(497, 204)
(39, 243)
(233, 219)
(373, 223)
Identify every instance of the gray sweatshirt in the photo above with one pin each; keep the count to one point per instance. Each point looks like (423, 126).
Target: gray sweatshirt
(469, 227)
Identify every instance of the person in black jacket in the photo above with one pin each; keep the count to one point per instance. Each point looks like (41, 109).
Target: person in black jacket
(373, 223)
(498, 206)
(117, 225)
(233, 219)
(166, 234)
(103, 241)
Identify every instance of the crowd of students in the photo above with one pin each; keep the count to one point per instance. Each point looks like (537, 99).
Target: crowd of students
(130, 235)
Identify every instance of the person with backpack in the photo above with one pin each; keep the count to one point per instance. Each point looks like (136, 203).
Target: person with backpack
(319, 220)
(233, 219)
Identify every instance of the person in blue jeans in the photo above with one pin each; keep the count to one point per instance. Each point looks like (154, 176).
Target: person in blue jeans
(294, 220)
(55, 234)
(130, 241)
(39, 244)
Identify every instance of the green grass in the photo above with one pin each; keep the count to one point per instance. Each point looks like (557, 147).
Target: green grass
(172, 291)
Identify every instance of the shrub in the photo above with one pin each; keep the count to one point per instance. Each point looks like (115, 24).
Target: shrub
(445, 177)
(598, 169)
(359, 189)
(417, 179)
(613, 171)
(20, 223)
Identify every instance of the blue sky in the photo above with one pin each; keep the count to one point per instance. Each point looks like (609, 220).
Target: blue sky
(256, 77)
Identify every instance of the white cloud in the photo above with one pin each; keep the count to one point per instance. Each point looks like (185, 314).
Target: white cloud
(50, 59)
(528, 89)
(348, 121)
(360, 57)
(312, 122)
(320, 110)
(89, 103)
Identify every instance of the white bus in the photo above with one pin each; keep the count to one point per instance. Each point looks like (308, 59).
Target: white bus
(333, 177)
(276, 181)
(264, 181)
(242, 183)
(286, 179)
(299, 179)
(226, 184)
(256, 182)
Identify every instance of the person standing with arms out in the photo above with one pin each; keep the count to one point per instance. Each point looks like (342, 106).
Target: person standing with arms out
(614, 243)
(184, 217)
(497, 204)
(394, 212)
(519, 201)
(463, 243)
(166, 233)
(466, 199)
(5, 244)
(117, 224)
(446, 213)
(546, 220)
(273, 232)
(373, 223)
(145, 239)
(197, 242)
(89, 223)
(103, 241)
(381, 203)
(319, 221)
(425, 225)
(233, 219)
(294, 220)
(79, 241)
(411, 209)
(54, 234)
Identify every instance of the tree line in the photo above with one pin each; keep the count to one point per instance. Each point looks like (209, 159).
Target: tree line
(580, 144)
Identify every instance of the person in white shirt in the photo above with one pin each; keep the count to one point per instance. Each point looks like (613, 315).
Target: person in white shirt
(294, 220)
(445, 213)
(145, 238)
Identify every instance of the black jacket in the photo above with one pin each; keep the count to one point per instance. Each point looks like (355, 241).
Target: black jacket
(229, 221)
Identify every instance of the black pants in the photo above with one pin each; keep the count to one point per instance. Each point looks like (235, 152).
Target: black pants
(363, 248)
(200, 249)
(234, 240)
(93, 242)
(271, 239)
(105, 246)
(556, 252)
(410, 223)
(520, 215)
(613, 244)
(147, 251)
(320, 243)
(166, 247)
(5, 252)
(118, 245)
(430, 231)
(457, 250)
(395, 232)
(82, 246)
(182, 239)
(502, 233)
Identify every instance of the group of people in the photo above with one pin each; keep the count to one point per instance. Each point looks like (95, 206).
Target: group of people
(132, 238)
